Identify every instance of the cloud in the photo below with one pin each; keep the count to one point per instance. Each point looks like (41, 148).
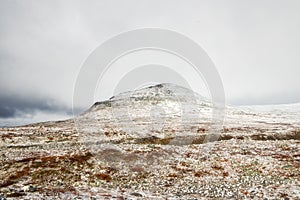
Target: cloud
(24, 106)
(39, 116)
(255, 45)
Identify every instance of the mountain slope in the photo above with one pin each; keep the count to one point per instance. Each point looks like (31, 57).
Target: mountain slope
(151, 143)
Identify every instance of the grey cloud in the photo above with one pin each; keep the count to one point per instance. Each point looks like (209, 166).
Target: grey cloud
(255, 45)
(278, 98)
(18, 106)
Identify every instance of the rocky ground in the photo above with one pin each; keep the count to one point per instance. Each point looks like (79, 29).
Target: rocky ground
(104, 154)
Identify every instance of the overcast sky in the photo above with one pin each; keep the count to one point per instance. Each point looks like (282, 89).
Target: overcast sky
(254, 44)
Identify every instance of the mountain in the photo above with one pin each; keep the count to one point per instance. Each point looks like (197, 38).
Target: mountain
(167, 113)
(157, 142)
(157, 112)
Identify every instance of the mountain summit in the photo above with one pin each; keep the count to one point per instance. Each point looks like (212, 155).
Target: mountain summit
(159, 111)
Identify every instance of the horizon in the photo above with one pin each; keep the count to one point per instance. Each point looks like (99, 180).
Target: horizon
(22, 122)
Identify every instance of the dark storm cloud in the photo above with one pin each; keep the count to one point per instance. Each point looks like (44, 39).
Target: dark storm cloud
(18, 106)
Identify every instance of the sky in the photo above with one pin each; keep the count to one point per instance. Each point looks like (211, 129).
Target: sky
(254, 45)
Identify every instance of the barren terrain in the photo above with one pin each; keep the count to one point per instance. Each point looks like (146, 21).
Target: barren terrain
(155, 144)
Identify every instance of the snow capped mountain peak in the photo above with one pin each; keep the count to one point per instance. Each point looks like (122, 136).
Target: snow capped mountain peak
(167, 91)
(151, 111)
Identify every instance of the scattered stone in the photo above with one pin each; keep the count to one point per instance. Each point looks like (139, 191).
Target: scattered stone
(2, 198)
(136, 194)
(104, 176)
(257, 154)
(29, 188)
(5, 190)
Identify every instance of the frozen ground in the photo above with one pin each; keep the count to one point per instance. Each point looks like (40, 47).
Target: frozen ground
(152, 144)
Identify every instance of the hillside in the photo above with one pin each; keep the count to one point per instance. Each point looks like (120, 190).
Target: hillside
(156, 143)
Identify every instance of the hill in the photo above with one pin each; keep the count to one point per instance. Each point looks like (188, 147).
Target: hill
(156, 143)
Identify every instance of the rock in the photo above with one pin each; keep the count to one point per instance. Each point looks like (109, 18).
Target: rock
(5, 190)
(103, 176)
(29, 188)
(2, 198)
(136, 194)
